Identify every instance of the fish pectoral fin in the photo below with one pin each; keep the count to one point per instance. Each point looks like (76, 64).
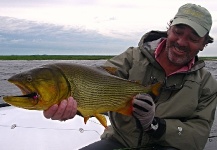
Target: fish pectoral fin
(101, 119)
(85, 119)
(127, 110)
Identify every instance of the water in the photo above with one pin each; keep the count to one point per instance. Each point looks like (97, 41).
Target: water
(9, 68)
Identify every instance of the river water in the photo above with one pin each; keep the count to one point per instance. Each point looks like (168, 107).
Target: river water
(9, 68)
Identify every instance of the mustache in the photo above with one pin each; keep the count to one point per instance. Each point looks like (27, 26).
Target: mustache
(182, 48)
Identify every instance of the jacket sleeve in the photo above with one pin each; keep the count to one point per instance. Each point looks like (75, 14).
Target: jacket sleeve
(122, 63)
(195, 128)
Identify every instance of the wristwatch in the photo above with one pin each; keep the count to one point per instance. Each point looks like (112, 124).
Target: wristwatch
(157, 128)
(154, 125)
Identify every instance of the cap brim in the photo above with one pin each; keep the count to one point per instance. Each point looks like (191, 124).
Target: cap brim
(201, 31)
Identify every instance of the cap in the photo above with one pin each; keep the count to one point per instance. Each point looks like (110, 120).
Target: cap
(195, 16)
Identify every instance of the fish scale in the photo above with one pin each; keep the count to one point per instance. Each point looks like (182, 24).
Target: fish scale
(105, 89)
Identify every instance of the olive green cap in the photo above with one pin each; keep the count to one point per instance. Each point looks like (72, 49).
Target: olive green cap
(194, 16)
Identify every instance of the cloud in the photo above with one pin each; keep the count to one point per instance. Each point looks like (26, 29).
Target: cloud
(28, 37)
(23, 37)
(89, 22)
(34, 3)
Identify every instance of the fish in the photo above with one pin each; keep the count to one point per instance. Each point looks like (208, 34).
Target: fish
(95, 88)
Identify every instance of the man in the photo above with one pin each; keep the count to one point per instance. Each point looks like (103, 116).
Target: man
(182, 115)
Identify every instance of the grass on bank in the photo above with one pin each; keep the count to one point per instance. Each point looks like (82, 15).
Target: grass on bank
(209, 58)
(55, 57)
(70, 57)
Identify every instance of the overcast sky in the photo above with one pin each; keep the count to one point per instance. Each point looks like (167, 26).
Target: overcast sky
(120, 22)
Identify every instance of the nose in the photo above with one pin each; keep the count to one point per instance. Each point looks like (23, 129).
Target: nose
(182, 41)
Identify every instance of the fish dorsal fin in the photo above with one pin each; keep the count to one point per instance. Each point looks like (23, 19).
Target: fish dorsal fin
(110, 70)
(136, 81)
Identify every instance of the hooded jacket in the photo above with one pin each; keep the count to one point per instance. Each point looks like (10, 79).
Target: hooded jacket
(187, 101)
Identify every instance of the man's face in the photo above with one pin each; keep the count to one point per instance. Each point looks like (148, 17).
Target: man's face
(183, 44)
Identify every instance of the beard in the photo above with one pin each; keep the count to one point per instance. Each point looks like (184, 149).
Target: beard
(179, 55)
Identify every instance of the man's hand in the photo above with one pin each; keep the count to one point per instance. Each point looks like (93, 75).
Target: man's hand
(144, 110)
(67, 109)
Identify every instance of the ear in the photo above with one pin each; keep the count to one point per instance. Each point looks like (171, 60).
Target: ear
(204, 45)
(168, 30)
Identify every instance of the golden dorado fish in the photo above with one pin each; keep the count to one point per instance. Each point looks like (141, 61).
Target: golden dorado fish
(95, 89)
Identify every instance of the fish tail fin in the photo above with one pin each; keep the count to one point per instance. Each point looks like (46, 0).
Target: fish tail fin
(155, 89)
(101, 119)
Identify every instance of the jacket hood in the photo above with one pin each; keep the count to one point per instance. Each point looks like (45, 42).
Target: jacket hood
(152, 36)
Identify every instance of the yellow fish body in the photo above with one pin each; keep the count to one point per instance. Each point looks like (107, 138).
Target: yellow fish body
(95, 90)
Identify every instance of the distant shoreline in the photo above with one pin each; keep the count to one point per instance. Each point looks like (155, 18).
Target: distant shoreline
(71, 57)
(55, 57)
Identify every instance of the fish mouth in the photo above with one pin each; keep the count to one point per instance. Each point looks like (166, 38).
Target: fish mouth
(33, 98)
(32, 95)
(27, 92)
(28, 97)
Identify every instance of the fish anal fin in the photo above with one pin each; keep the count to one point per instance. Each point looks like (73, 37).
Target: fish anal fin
(101, 119)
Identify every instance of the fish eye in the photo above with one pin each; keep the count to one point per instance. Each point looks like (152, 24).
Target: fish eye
(29, 78)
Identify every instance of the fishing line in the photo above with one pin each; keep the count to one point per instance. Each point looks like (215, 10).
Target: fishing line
(81, 130)
(95, 122)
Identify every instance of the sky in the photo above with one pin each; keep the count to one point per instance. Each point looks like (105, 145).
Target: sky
(77, 27)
